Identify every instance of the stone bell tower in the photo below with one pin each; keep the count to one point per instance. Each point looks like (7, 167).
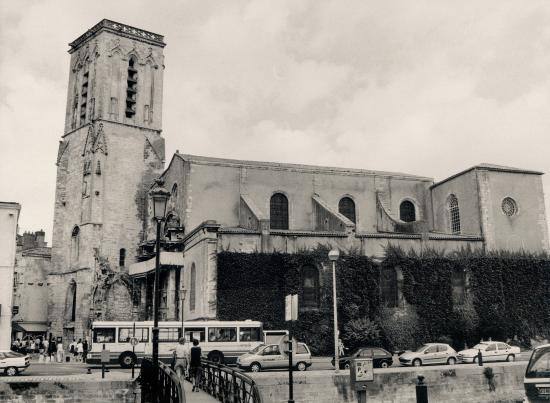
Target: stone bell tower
(109, 155)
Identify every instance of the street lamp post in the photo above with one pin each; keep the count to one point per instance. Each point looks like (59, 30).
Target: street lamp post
(333, 256)
(160, 196)
(183, 291)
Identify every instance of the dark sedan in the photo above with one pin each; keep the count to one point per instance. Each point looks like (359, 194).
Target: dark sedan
(381, 358)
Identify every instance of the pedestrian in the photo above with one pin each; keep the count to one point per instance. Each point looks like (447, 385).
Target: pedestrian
(51, 350)
(84, 350)
(60, 352)
(45, 351)
(195, 365)
(79, 350)
(182, 357)
(341, 348)
(72, 349)
(32, 346)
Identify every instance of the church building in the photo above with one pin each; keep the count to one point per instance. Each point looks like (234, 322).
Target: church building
(112, 151)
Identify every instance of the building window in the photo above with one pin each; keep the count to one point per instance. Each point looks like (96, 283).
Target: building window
(388, 287)
(346, 207)
(131, 90)
(278, 211)
(454, 214)
(174, 194)
(310, 287)
(70, 302)
(122, 257)
(407, 211)
(84, 94)
(509, 206)
(193, 286)
(458, 283)
(75, 247)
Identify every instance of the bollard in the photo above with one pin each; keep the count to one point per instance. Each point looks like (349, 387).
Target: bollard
(479, 358)
(421, 390)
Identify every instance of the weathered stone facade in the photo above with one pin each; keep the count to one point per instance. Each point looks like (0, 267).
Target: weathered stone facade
(108, 157)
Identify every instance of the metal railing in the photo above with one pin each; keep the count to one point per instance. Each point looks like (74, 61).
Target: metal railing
(163, 387)
(228, 385)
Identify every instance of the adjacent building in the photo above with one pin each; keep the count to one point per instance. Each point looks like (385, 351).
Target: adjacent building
(9, 217)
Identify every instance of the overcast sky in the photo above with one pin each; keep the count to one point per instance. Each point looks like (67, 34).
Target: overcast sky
(423, 87)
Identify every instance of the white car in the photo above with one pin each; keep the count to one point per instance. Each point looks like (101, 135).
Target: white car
(13, 363)
(490, 351)
(429, 353)
(270, 357)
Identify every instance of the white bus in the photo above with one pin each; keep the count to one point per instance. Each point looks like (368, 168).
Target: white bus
(220, 341)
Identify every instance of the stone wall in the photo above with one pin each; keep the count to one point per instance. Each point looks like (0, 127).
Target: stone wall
(74, 391)
(445, 384)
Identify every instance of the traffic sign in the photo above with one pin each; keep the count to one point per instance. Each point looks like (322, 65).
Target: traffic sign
(134, 341)
(105, 356)
(291, 307)
(283, 345)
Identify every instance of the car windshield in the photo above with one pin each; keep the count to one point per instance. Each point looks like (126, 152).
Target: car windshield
(421, 349)
(256, 349)
(13, 354)
(480, 346)
(539, 364)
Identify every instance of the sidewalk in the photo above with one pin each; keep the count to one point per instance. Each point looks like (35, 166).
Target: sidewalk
(196, 397)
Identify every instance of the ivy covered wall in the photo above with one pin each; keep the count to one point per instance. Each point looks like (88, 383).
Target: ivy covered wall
(506, 296)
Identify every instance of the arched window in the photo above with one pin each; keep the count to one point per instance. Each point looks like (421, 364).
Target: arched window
(310, 287)
(174, 192)
(458, 283)
(70, 302)
(122, 257)
(193, 286)
(454, 214)
(388, 287)
(346, 207)
(407, 211)
(278, 211)
(131, 90)
(75, 245)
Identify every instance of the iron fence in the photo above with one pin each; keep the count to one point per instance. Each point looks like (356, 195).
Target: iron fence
(228, 385)
(163, 387)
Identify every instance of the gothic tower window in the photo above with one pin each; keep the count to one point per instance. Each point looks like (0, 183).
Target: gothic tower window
(453, 214)
(278, 211)
(75, 241)
(346, 207)
(407, 211)
(131, 91)
(70, 302)
(193, 286)
(122, 257)
(310, 287)
(388, 287)
(84, 94)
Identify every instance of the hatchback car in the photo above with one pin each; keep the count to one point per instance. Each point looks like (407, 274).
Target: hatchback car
(270, 357)
(490, 351)
(13, 363)
(380, 357)
(429, 353)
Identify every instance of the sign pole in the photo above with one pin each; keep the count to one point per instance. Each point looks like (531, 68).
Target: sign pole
(133, 350)
(291, 314)
(290, 381)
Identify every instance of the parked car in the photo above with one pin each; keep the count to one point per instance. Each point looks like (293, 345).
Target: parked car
(490, 351)
(430, 353)
(380, 357)
(537, 375)
(270, 357)
(13, 363)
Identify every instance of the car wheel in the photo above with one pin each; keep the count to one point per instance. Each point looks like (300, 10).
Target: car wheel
(347, 365)
(451, 361)
(255, 367)
(475, 360)
(301, 366)
(384, 364)
(417, 363)
(511, 358)
(216, 357)
(127, 360)
(11, 371)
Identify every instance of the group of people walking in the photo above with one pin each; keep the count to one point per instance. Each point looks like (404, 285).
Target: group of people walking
(189, 360)
(52, 350)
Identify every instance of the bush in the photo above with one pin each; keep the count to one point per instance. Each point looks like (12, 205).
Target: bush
(401, 331)
(361, 332)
